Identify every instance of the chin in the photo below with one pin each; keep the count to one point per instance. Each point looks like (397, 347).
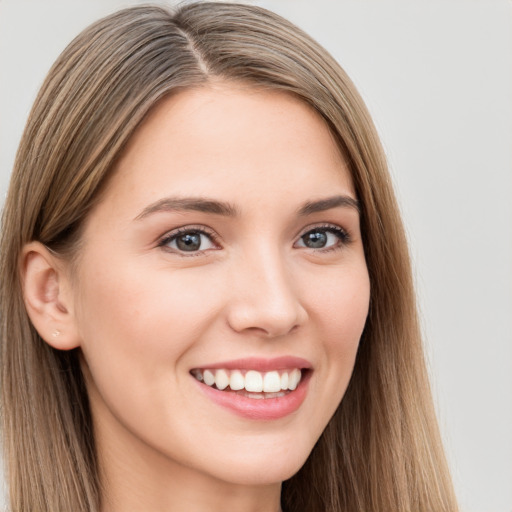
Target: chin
(256, 476)
(261, 467)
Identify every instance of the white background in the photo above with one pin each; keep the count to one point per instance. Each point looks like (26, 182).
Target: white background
(437, 77)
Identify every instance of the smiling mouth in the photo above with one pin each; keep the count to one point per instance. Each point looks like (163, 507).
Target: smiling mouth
(251, 383)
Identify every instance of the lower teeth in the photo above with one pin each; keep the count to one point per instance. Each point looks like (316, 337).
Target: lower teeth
(259, 396)
(255, 395)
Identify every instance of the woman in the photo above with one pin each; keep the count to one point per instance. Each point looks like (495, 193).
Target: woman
(206, 292)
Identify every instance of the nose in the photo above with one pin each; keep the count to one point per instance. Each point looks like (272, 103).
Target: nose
(264, 299)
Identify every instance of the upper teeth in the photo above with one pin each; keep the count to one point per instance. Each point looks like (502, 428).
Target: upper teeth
(251, 380)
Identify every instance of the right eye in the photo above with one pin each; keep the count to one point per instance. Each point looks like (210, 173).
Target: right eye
(188, 240)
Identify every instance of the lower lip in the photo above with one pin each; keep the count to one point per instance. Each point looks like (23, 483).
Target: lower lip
(259, 409)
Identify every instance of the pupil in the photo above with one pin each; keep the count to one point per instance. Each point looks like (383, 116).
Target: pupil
(189, 242)
(315, 239)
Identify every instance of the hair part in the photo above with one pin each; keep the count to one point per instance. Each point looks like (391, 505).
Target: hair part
(382, 449)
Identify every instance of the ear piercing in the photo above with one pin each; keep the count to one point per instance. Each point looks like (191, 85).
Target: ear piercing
(56, 333)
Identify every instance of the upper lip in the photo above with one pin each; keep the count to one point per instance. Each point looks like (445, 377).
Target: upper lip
(260, 364)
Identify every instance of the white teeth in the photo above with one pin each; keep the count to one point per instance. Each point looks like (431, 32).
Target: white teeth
(221, 379)
(294, 379)
(257, 385)
(254, 381)
(284, 381)
(236, 381)
(209, 378)
(271, 382)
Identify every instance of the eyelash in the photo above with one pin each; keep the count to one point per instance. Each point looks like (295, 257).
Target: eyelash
(342, 235)
(173, 235)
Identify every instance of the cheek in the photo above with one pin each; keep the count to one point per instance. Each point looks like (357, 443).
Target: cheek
(146, 306)
(350, 311)
(140, 323)
(341, 308)
(341, 304)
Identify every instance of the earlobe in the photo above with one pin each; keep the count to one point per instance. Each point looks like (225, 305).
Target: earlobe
(47, 298)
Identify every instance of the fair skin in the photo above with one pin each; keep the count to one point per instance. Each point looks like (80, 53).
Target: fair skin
(268, 276)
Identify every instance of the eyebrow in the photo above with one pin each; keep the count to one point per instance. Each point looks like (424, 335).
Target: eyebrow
(199, 204)
(182, 204)
(328, 203)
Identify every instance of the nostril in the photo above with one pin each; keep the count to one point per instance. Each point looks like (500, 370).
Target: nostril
(262, 320)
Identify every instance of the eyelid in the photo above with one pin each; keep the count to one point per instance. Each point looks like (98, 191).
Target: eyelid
(201, 229)
(323, 226)
(342, 233)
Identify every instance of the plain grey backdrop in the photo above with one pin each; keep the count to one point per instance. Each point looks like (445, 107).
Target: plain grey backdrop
(437, 77)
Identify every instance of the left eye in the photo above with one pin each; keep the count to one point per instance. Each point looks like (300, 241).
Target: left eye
(321, 238)
(189, 241)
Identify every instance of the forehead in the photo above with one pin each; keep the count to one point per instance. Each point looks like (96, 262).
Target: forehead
(230, 141)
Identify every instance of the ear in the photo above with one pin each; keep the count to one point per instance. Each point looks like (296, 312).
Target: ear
(48, 298)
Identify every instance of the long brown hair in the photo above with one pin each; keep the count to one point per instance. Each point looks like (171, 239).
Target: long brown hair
(381, 451)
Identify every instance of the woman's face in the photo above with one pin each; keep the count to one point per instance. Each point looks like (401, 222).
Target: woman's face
(225, 253)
